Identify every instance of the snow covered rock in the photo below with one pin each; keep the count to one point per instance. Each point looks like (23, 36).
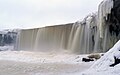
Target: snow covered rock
(102, 66)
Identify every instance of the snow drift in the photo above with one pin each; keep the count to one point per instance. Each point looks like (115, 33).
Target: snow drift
(102, 66)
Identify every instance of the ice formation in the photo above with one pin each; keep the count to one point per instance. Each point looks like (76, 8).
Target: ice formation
(103, 10)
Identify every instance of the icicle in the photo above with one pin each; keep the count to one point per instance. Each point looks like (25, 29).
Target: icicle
(103, 10)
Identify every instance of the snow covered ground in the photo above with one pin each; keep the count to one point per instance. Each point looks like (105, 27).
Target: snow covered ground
(102, 66)
(37, 63)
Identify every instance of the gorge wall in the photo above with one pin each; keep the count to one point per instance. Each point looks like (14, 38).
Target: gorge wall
(7, 38)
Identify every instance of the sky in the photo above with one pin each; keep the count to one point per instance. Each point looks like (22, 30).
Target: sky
(40, 13)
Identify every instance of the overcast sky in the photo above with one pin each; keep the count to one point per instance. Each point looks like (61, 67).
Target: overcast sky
(39, 13)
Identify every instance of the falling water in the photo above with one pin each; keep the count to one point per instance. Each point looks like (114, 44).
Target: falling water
(46, 39)
(87, 36)
(77, 38)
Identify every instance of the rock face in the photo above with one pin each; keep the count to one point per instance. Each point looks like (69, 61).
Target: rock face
(114, 19)
(7, 38)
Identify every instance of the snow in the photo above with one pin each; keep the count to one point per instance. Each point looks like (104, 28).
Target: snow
(38, 63)
(101, 67)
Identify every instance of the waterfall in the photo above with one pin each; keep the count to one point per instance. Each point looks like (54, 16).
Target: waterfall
(83, 34)
(93, 34)
(77, 38)
(46, 39)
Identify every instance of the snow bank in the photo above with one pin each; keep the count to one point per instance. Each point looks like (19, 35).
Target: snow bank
(101, 67)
